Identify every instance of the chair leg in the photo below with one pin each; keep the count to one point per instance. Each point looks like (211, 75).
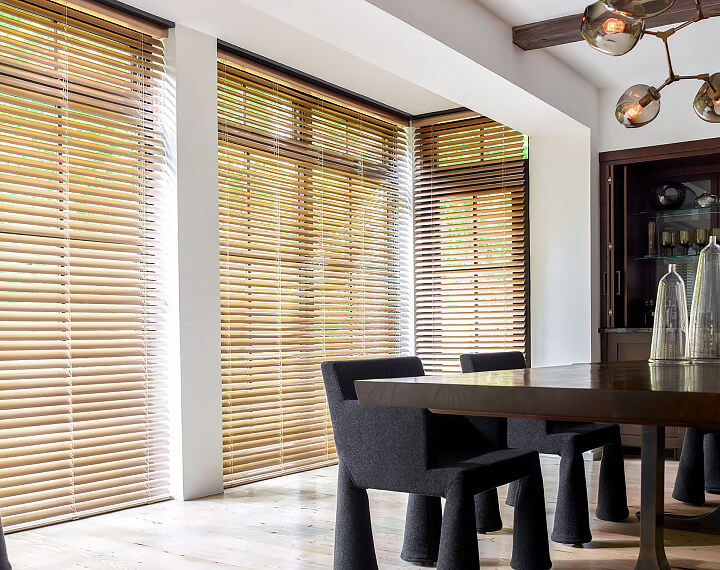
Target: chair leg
(354, 546)
(458, 540)
(422, 530)
(612, 496)
(512, 494)
(712, 462)
(487, 512)
(531, 550)
(4, 560)
(690, 480)
(572, 519)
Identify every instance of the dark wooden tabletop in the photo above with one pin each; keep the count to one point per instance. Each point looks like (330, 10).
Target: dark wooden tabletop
(617, 392)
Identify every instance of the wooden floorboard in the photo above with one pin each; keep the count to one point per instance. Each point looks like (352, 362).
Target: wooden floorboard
(288, 523)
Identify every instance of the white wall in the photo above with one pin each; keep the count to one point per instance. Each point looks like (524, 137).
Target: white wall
(468, 28)
(253, 29)
(561, 296)
(196, 445)
(454, 48)
(677, 121)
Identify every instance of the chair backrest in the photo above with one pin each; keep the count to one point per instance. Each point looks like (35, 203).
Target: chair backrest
(479, 362)
(383, 448)
(493, 429)
(343, 373)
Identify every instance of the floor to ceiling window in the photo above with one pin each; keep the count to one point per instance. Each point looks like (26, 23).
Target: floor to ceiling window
(82, 371)
(471, 248)
(315, 243)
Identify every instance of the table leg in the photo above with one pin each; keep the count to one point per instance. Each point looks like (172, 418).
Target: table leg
(652, 500)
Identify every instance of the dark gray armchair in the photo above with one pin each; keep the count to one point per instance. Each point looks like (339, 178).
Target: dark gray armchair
(568, 440)
(4, 560)
(399, 449)
(699, 468)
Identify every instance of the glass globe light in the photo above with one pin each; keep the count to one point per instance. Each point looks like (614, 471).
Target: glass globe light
(707, 101)
(638, 106)
(639, 8)
(610, 32)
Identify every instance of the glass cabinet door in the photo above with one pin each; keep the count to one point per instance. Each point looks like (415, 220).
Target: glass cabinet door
(674, 235)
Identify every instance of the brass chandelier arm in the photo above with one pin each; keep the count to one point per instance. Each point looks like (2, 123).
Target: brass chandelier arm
(671, 71)
(675, 78)
(665, 35)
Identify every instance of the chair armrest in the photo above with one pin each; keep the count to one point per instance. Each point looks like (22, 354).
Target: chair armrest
(382, 447)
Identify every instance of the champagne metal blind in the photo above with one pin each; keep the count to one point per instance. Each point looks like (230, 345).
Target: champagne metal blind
(314, 224)
(471, 253)
(82, 387)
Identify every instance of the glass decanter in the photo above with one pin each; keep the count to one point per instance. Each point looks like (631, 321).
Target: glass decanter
(704, 334)
(670, 329)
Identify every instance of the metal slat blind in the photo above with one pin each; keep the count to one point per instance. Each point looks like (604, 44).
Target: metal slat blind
(314, 223)
(82, 386)
(471, 277)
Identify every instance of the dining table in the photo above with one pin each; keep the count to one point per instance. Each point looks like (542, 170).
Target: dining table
(654, 395)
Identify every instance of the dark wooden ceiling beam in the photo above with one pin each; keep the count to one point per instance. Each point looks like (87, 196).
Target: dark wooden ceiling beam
(566, 30)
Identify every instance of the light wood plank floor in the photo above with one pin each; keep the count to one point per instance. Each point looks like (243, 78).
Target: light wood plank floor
(288, 523)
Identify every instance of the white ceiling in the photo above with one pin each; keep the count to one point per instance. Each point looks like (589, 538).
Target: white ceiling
(694, 49)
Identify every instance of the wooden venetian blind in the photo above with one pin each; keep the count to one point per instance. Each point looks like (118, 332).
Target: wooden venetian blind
(82, 420)
(314, 220)
(471, 253)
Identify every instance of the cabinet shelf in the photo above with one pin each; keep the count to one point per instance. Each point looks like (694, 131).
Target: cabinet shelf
(680, 213)
(690, 258)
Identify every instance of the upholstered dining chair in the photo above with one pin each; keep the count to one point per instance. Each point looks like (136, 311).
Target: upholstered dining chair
(405, 450)
(568, 440)
(699, 467)
(4, 560)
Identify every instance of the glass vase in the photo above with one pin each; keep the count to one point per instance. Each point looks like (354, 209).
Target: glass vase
(704, 334)
(670, 329)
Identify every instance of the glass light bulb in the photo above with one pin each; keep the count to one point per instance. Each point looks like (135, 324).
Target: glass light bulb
(633, 112)
(639, 8)
(614, 26)
(613, 33)
(707, 101)
(638, 106)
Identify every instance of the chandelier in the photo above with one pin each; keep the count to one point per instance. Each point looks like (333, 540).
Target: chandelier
(614, 27)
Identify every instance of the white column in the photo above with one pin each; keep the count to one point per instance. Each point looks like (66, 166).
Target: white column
(562, 305)
(195, 400)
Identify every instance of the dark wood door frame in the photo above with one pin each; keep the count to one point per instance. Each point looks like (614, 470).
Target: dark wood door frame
(687, 149)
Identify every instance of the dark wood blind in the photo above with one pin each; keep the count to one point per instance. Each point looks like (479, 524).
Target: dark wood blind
(82, 341)
(314, 234)
(471, 252)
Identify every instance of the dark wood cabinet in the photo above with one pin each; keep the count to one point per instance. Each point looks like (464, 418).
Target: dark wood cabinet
(633, 230)
(622, 345)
